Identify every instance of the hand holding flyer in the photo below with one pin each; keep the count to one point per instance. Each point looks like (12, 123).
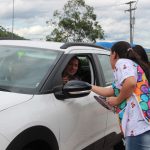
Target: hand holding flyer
(102, 100)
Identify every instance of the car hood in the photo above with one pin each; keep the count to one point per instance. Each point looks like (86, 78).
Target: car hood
(8, 99)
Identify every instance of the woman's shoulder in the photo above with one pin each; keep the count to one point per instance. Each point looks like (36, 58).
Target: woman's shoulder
(123, 61)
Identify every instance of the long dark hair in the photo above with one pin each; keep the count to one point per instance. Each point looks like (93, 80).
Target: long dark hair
(124, 50)
(141, 52)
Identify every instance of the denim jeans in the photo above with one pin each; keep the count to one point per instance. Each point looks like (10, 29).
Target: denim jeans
(140, 142)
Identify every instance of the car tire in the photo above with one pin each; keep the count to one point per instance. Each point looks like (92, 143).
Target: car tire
(34, 138)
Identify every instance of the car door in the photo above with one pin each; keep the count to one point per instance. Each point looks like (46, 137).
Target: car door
(105, 66)
(82, 120)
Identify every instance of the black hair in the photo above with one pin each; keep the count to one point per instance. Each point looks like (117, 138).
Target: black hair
(124, 50)
(141, 52)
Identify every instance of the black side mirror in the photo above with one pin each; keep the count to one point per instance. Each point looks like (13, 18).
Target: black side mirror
(76, 88)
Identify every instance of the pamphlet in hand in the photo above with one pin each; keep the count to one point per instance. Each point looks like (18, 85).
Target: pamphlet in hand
(102, 100)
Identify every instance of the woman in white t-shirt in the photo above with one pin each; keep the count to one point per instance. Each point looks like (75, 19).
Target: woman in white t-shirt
(130, 93)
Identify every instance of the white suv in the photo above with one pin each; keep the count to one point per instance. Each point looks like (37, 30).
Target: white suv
(35, 113)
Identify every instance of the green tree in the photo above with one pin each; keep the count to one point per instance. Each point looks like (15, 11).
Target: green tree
(76, 23)
(4, 34)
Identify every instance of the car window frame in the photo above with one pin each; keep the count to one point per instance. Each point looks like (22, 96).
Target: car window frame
(56, 77)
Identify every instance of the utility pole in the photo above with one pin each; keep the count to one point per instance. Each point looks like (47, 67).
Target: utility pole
(131, 20)
(12, 36)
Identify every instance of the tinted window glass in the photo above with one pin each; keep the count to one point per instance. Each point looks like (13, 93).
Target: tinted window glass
(106, 67)
(86, 70)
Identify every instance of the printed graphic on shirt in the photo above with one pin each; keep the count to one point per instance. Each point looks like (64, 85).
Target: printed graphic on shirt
(142, 92)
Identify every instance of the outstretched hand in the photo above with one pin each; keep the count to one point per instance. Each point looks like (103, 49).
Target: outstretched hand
(113, 101)
(65, 79)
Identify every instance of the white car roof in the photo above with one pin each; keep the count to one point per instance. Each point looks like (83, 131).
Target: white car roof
(51, 45)
(34, 44)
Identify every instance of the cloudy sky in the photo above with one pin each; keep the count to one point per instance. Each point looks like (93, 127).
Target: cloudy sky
(30, 18)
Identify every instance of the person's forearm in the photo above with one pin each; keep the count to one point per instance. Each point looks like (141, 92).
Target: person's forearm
(127, 89)
(103, 91)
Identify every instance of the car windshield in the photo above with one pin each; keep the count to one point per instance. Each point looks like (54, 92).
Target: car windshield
(23, 67)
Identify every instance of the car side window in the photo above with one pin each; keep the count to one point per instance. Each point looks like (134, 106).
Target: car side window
(106, 67)
(148, 54)
(86, 70)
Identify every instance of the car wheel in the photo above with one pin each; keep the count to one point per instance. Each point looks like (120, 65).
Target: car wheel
(37, 146)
